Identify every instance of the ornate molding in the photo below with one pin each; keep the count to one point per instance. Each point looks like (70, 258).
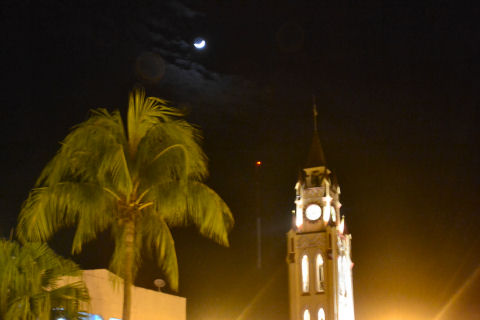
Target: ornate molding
(316, 192)
(309, 241)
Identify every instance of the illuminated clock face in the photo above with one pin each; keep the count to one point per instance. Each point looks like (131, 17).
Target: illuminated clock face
(313, 212)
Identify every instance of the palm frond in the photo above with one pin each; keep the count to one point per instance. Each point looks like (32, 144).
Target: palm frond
(170, 203)
(180, 204)
(84, 149)
(185, 159)
(28, 282)
(62, 205)
(71, 297)
(209, 212)
(143, 113)
(159, 243)
(113, 171)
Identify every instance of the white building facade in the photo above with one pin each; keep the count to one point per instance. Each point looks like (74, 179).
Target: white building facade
(106, 299)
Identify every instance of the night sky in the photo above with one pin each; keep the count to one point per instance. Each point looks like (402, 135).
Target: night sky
(397, 88)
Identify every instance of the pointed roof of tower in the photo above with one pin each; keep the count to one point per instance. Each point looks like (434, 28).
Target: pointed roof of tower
(316, 156)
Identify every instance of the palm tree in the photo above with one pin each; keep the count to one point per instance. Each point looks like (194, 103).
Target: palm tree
(139, 181)
(29, 286)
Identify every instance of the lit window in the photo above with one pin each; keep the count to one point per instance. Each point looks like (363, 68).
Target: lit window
(321, 314)
(319, 273)
(305, 278)
(306, 315)
(333, 214)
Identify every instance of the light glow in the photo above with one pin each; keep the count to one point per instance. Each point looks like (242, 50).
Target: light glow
(88, 316)
(345, 294)
(333, 214)
(456, 298)
(326, 208)
(326, 212)
(299, 217)
(341, 227)
(305, 278)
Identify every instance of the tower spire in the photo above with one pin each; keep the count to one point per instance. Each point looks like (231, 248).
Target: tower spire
(318, 241)
(316, 157)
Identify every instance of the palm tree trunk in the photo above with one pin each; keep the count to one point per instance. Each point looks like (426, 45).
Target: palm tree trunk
(128, 269)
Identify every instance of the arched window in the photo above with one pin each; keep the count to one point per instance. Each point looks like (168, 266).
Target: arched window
(321, 314)
(305, 278)
(319, 275)
(306, 315)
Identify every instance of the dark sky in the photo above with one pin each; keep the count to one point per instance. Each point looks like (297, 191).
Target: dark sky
(397, 87)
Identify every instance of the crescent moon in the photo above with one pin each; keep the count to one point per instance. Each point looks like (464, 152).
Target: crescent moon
(199, 44)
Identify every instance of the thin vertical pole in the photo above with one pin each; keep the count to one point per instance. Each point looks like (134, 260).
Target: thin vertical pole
(315, 113)
(259, 242)
(258, 214)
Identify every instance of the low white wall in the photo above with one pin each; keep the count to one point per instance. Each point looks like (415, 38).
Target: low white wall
(106, 294)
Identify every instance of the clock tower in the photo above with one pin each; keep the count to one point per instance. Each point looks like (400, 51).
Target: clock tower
(318, 246)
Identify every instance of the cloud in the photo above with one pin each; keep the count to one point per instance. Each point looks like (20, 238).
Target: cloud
(183, 10)
(196, 84)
